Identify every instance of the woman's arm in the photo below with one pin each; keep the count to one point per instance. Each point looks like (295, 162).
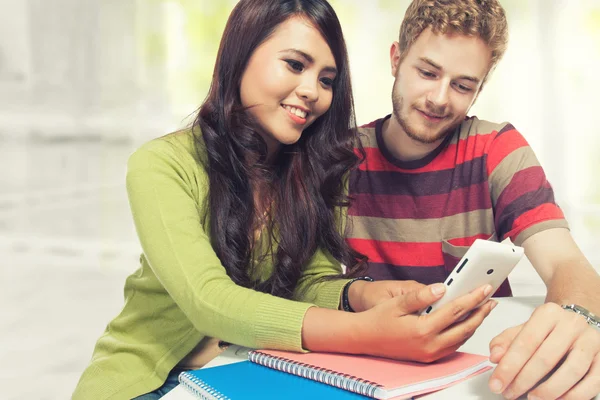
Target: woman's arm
(167, 189)
(390, 329)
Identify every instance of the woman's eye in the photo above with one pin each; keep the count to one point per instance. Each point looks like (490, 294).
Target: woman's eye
(327, 82)
(295, 65)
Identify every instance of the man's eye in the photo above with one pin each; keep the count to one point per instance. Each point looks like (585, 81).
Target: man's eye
(464, 89)
(427, 74)
(295, 65)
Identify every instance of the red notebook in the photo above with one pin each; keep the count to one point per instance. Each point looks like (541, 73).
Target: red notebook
(380, 378)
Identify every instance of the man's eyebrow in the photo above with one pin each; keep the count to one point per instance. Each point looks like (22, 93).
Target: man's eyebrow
(430, 62)
(308, 58)
(438, 67)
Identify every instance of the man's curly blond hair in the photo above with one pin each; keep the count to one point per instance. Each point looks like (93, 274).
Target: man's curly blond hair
(481, 18)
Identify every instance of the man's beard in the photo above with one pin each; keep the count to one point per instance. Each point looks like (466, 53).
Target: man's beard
(398, 103)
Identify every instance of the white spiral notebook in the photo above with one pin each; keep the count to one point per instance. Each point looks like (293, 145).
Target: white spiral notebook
(375, 377)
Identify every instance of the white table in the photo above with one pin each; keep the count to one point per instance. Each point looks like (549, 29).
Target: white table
(509, 312)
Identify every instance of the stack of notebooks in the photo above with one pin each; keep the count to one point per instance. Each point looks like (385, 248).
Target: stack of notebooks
(270, 374)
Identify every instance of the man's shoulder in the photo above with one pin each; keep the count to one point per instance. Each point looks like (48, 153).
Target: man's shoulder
(368, 133)
(473, 127)
(370, 125)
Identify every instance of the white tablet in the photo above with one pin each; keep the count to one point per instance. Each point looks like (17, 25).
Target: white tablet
(485, 262)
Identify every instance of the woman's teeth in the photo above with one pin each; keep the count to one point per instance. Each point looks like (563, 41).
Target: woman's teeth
(296, 111)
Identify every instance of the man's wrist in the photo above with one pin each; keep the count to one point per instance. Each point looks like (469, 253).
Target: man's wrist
(590, 318)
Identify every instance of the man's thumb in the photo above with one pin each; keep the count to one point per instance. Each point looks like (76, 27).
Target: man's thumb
(417, 300)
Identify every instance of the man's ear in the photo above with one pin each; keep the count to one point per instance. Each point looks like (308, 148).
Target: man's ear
(395, 57)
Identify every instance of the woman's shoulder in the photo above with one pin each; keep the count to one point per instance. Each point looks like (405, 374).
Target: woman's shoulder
(170, 162)
(183, 148)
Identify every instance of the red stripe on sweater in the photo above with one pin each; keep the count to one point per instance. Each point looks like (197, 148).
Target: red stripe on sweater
(545, 212)
(398, 253)
(502, 146)
(455, 154)
(468, 241)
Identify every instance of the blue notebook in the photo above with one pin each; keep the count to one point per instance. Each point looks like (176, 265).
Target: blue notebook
(247, 380)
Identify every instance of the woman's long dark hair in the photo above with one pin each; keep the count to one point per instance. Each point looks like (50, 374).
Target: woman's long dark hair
(305, 184)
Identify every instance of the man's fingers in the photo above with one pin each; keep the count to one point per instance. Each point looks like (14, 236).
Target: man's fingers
(581, 362)
(547, 356)
(522, 348)
(589, 385)
(417, 300)
(571, 371)
(500, 343)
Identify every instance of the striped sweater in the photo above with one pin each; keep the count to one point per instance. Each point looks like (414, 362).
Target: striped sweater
(416, 219)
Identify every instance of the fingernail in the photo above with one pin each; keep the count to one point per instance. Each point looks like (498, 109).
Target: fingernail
(487, 290)
(496, 386)
(534, 397)
(495, 351)
(438, 289)
(493, 305)
(508, 395)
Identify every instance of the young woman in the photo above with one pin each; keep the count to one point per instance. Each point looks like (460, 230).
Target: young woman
(239, 217)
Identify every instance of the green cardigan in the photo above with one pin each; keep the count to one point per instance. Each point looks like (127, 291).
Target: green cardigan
(181, 292)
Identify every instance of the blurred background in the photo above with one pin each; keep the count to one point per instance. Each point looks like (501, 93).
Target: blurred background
(85, 82)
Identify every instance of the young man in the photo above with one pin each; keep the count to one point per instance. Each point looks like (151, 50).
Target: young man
(434, 180)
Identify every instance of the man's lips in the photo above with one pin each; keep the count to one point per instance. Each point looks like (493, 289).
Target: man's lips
(431, 117)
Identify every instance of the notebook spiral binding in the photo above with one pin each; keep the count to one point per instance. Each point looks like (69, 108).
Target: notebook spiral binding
(323, 375)
(199, 388)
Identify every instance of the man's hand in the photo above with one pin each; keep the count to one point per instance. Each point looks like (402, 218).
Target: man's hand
(527, 353)
(392, 330)
(364, 295)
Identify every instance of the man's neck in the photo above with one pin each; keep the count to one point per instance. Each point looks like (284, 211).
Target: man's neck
(401, 146)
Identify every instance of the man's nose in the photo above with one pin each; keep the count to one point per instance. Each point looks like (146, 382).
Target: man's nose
(438, 96)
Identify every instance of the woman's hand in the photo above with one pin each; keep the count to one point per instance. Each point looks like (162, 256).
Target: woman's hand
(392, 330)
(364, 295)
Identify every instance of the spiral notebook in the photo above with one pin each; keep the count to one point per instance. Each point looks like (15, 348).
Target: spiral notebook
(375, 377)
(278, 374)
(246, 380)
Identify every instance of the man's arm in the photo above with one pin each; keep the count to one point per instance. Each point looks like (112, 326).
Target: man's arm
(553, 338)
(568, 275)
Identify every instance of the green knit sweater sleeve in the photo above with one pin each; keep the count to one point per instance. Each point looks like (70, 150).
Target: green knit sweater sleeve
(314, 288)
(166, 189)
